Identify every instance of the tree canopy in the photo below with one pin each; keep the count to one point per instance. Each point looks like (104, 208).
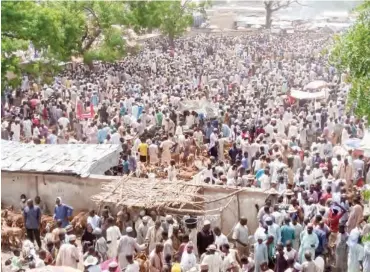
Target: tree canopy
(59, 30)
(351, 52)
(171, 17)
(88, 29)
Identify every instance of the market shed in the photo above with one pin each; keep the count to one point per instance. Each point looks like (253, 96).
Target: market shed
(73, 159)
(177, 197)
(73, 172)
(221, 205)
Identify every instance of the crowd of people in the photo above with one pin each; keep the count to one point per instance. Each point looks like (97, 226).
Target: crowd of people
(256, 135)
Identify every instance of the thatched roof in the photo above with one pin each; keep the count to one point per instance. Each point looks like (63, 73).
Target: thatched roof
(150, 194)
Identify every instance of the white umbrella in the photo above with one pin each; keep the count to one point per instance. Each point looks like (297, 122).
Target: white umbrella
(317, 84)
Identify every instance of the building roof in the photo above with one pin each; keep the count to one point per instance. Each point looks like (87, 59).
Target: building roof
(149, 194)
(75, 159)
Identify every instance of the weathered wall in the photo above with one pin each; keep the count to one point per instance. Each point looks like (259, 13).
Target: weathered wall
(231, 214)
(74, 191)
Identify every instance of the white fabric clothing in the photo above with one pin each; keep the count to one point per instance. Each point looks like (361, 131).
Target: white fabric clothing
(68, 255)
(113, 235)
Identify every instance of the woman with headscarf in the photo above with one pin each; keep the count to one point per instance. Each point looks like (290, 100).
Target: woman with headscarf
(188, 259)
(62, 212)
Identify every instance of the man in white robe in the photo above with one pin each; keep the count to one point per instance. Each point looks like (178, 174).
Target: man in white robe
(16, 129)
(166, 146)
(260, 253)
(113, 235)
(27, 129)
(188, 258)
(309, 242)
(127, 246)
(142, 230)
(212, 259)
(68, 254)
(153, 153)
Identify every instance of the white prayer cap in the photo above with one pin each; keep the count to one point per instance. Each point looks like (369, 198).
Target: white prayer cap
(90, 260)
(129, 229)
(145, 219)
(169, 217)
(72, 237)
(113, 265)
(206, 222)
(142, 213)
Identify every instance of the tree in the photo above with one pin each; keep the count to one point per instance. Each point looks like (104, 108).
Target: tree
(272, 6)
(351, 53)
(58, 31)
(171, 17)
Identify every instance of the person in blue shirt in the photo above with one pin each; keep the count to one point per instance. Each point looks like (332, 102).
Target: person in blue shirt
(226, 131)
(102, 134)
(32, 218)
(62, 212)
(125, 165)
(208, 132)
(245, 161)
(287, 232)
(95, 99)
(323, 240)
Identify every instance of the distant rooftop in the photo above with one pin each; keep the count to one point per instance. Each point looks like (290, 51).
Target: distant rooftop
(73, 159)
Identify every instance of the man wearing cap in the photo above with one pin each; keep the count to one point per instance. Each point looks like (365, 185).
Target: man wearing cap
(205, 237)
(167, 225)
(68, 254)
(273, 229)
(101, 246)
(212, 259)
(142, 230)
(127, 245)
(113, 267)
(260, 252)
(309, 242)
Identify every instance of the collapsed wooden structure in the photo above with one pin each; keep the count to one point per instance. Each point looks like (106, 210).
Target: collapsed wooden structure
(152, 194)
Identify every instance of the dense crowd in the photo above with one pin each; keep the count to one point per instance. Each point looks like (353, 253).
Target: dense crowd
(255, 135)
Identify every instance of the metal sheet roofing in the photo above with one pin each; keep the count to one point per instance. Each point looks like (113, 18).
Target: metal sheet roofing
(79, 159)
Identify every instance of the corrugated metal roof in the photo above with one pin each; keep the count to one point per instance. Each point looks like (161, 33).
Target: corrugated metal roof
(77, 159)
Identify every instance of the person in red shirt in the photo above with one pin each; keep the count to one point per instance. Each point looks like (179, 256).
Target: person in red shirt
(335, 213)
(326, 195)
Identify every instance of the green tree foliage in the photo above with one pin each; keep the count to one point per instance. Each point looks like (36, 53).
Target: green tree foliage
(352, 51)
(59, 30)
(171, 17)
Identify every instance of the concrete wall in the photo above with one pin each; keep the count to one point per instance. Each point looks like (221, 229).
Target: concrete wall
(74, 191)
(230, 215)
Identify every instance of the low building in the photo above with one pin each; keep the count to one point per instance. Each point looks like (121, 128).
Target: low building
(68, 171)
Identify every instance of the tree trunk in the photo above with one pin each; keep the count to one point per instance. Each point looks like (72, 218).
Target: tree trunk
(91, 40)
(171, 41)
(268, 19)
